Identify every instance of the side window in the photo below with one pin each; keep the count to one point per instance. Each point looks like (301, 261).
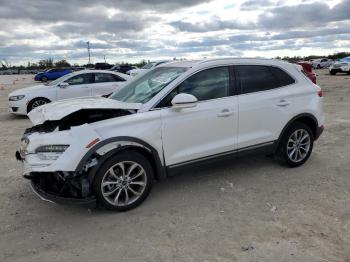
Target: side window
(104, 77)
(283, 78)
(208, 84)
(255, 78)
(79, 79)
(118, 78)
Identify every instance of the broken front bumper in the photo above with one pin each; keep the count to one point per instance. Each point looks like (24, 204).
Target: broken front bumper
(56, 188)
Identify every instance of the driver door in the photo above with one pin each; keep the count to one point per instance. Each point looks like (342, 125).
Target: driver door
(79, 86)
(209, 128)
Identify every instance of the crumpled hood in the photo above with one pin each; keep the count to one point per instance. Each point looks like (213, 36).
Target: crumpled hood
(58, 110)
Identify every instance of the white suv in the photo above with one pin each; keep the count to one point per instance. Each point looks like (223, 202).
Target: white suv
(178, 114)
(321, 63)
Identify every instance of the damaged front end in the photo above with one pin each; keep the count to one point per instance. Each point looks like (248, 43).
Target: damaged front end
(62, 187)
(52, 149)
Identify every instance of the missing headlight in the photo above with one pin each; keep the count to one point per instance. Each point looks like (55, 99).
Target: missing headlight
(51, 149)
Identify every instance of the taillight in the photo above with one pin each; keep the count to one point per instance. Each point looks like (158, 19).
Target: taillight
(320, 93)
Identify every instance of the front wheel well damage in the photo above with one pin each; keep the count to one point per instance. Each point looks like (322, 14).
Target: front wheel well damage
(99, 160)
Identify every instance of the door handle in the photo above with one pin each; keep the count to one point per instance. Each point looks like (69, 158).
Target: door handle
(225, 113)
(283, 103)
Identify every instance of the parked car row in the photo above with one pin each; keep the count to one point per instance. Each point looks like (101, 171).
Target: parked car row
(111, 149)
(146, 67)
(321, 63)
(55, 73)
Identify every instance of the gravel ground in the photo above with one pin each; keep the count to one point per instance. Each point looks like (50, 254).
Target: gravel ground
(247, 209)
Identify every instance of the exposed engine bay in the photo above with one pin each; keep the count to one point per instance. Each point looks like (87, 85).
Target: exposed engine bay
(83, 116)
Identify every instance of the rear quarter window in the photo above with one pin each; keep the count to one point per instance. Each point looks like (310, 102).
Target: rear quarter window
(284, 79)
(257, 78)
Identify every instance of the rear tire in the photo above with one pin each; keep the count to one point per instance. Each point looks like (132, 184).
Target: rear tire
(332, 72)
(296, 145)
(124, 181)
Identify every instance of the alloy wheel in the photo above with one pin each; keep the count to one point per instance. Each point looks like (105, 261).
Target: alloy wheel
(37, 103)
(123, 183)
(298, 145)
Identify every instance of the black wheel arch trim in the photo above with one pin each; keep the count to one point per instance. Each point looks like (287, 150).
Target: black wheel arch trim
(37, 98)
(317, 133)
(160, 172)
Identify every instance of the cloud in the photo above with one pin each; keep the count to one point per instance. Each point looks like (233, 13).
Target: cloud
(213, 24)
(255, 4)
(304, 15)
(156, 29)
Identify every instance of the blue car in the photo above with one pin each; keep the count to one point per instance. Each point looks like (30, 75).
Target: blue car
(51, 74)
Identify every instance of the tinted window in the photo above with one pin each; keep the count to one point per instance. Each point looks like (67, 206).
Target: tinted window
(256, 78)
(283, 78)
(79, 79)
(208, 84)
(102, 78)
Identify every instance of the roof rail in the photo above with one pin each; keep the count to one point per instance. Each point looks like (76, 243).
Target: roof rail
(232, 58)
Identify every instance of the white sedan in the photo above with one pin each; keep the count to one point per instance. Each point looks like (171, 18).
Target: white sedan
(78, 84)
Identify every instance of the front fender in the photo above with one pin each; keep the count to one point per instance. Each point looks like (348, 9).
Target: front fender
(111, 146)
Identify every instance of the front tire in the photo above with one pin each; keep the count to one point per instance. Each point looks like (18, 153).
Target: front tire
(44, 79)
(296, 145)
(36, 102)
(332, 72)
(124, 181)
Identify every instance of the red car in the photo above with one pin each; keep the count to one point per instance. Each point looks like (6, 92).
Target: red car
(307, 67)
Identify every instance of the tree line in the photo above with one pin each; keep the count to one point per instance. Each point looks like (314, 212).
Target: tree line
(50, 63)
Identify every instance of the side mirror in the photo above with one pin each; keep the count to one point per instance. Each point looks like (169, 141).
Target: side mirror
(184, 101)
(63, 85)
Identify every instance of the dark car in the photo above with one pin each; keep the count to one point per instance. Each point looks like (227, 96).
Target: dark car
(51, 74)
(103, 66)
(122, 68)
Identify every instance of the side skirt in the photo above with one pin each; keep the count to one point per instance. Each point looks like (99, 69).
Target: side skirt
(264, 148)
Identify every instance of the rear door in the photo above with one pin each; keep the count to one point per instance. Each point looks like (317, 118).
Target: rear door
(79, 86)
(265, 105)
(105, 83)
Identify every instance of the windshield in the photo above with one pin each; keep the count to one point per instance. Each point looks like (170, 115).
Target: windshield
(59, 80)
(148, 85)
(148, 66)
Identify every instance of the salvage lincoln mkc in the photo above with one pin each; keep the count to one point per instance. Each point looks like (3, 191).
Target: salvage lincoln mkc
(110, 150)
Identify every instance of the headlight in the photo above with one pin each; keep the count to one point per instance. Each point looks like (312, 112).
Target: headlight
(16, 98)
(50, 152)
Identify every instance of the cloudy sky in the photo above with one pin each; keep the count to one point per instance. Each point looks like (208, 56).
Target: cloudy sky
(131, 30)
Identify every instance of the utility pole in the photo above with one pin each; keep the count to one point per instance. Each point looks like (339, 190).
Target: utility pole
(88, 47)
